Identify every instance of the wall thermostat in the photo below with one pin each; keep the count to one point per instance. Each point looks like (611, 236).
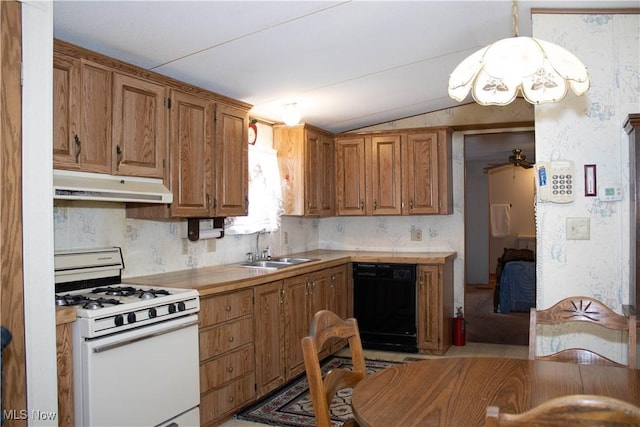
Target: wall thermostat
(610, 193)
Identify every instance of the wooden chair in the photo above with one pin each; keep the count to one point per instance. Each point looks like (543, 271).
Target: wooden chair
(567, 411)
(325, 326)
(582, 309)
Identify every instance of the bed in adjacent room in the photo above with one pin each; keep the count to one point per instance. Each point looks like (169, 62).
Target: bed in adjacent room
(515, 281)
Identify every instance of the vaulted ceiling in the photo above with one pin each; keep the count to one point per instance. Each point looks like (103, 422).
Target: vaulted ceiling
(347, 64)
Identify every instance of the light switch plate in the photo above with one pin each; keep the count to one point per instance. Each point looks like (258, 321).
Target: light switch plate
(578, 229)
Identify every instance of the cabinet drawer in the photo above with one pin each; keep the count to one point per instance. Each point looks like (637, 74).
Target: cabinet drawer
(226, 337)
(225, 400)
(226, 368)
(221, 308)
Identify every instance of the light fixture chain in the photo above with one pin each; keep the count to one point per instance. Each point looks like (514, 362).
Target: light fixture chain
(514, 8)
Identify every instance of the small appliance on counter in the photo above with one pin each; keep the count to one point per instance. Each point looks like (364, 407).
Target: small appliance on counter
(135, 348)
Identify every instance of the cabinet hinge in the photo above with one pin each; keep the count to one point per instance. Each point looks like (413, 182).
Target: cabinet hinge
(167, 102)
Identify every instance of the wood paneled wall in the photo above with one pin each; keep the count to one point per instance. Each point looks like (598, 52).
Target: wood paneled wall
(14, 395)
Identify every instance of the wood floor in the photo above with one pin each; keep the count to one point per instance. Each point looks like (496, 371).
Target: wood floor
(484, 326)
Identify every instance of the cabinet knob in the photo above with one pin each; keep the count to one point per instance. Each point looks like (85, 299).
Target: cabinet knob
(228, 308)
(361, 205)
(119, 153)
(231, 399)
(375, 205)
(76, 139)
(411, 204)
(231, 339)
(230, 369)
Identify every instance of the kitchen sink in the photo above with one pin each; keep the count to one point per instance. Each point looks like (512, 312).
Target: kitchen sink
(275, 263)
(290, 260)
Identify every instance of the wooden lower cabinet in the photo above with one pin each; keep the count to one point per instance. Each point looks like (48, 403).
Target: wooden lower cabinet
(435, 307)
(283, 313)
(270, 327)
(227, 374)
(64, 356)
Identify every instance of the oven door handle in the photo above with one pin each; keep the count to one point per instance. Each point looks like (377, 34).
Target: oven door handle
(106, 347)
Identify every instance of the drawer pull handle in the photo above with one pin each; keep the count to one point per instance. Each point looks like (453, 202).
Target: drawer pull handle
(228, 308)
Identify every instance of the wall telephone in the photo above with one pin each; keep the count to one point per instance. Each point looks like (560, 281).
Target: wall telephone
(555, 181)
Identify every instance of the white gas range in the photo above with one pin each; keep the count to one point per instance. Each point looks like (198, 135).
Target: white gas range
(135, 348)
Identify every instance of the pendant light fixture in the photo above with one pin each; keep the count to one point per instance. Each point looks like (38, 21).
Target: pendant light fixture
(291, 114)
(539, 70)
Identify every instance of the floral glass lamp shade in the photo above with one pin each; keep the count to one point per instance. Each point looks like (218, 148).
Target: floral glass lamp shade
(540, 70)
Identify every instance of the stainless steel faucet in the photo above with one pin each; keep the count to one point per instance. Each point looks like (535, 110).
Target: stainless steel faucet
(260, 254)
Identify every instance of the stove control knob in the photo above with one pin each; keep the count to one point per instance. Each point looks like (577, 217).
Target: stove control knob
(172, 308)
(152, 313)
(181, 306)
(131, 318)
(119, 320)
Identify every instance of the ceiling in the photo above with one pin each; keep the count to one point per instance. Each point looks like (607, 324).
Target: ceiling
(347, 64)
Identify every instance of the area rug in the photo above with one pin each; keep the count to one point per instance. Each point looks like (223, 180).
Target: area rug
(291, 404)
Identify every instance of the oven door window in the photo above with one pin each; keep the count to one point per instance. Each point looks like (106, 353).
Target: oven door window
(141, 377)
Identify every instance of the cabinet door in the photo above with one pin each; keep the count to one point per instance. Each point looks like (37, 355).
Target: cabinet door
(421, 178)
(350, 176)
(232, 157)
(326, 176)
(297, 317)
(313, 181)
(320, 296)
(191, 155)
(270, 323)
(94, 132)
(66, 112)
(429, 308)
(339, 301)
(139, 127)
(384, 170)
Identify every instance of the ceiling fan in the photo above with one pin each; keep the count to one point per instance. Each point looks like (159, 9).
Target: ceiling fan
(515, 159)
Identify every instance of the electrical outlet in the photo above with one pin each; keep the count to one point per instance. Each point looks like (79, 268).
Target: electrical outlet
(416, 234)
(185, 246)
(211, 245)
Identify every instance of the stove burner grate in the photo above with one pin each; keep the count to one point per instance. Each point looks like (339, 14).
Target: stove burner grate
(128, 291)
(84, 301)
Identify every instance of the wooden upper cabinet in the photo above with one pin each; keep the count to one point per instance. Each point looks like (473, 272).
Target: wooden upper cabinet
(385, 175)
(139, 143)
(350, 178)
(326, 175)
(305, 159)
(421, 195)
(82, 101)
(232, 161)
(192, 155)
(403, 173)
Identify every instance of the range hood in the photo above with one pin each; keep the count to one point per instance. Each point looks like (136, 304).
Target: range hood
(72, 185)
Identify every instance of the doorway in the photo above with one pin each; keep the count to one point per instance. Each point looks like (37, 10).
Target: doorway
(481, 149)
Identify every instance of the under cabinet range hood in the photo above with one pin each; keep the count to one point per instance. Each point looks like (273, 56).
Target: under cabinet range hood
(72, 185)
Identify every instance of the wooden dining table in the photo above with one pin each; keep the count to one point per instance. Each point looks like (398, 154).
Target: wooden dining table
(456, 391)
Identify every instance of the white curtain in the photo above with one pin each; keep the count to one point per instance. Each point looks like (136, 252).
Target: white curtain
(265, 195)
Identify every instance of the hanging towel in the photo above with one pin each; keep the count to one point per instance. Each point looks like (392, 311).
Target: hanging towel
(500, 220)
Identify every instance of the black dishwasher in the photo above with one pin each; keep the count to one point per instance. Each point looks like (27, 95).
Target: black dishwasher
(384, 300)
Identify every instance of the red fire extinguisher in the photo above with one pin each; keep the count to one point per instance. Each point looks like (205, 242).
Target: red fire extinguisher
(458, 328)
